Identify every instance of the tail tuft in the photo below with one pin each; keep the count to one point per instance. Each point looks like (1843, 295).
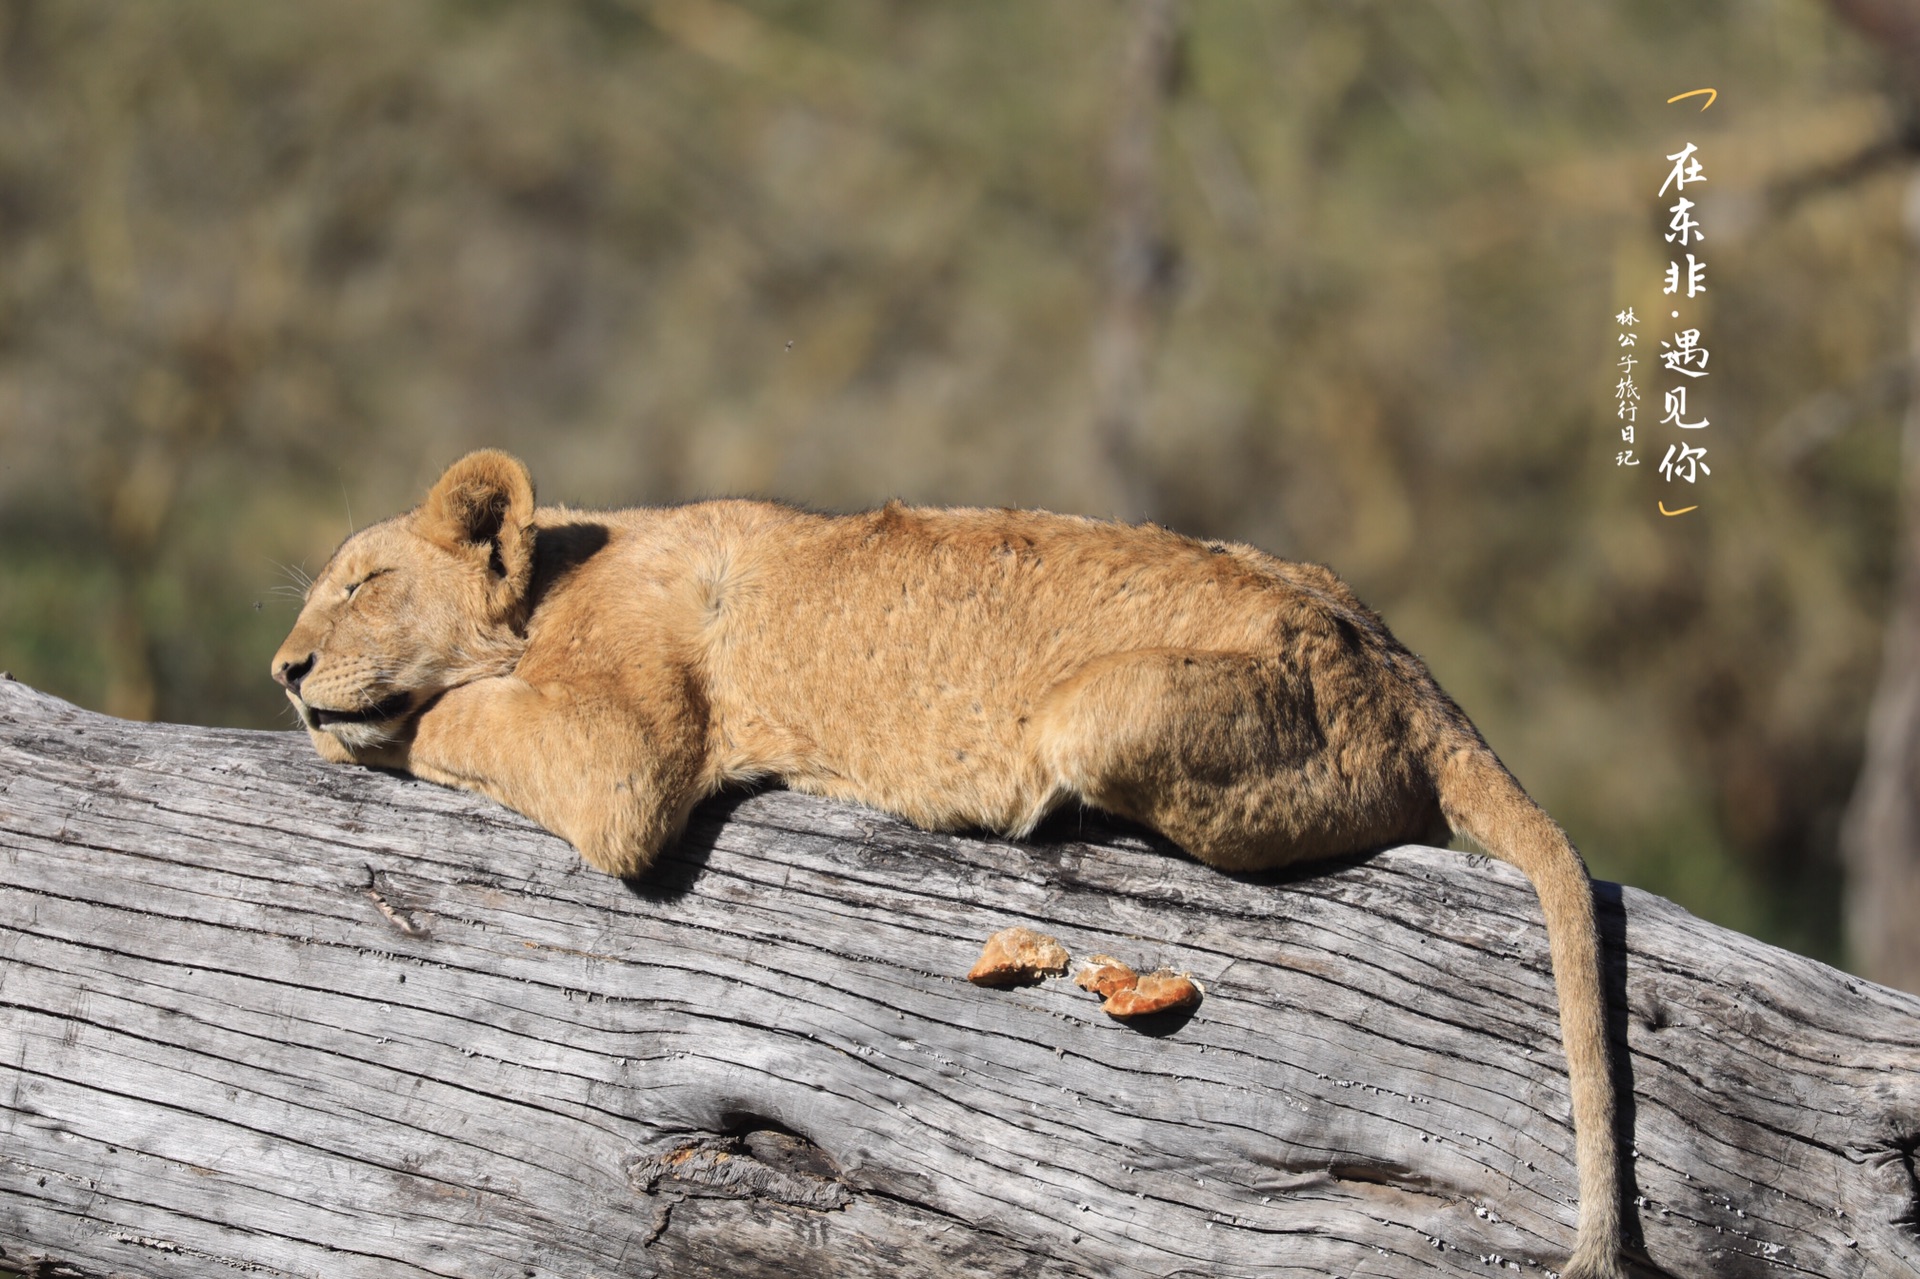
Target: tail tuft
(1595, 1259)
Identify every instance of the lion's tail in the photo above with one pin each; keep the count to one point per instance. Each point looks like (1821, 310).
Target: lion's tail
(1481, 799)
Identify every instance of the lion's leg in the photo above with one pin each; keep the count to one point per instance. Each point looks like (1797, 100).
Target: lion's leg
(592, 769)
(1239, 758)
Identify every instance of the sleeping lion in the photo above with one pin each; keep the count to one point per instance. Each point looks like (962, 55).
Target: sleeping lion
(604, 672)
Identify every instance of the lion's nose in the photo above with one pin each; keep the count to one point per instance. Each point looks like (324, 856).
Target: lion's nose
(291, 673)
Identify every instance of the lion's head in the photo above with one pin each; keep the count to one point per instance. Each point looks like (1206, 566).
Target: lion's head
(414, 606)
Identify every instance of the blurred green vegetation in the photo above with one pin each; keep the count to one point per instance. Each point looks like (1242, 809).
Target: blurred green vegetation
(264, 269)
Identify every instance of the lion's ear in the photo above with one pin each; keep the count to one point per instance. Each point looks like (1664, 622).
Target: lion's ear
(483, 507)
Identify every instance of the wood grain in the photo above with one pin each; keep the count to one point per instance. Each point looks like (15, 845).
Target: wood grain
(267, 1015)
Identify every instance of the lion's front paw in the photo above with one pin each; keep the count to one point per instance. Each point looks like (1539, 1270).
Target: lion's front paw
(612, 845)
(625, 861)
(392, 755)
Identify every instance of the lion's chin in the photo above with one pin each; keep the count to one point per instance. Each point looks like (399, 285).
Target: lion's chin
(360, 739)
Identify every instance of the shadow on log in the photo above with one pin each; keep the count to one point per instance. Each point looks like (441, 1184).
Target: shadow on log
(262, 1013)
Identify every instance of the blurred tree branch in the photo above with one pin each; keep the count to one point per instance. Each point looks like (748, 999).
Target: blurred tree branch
(1140, 260)
(1893, 25)
(1880, 840)
(1876, 156)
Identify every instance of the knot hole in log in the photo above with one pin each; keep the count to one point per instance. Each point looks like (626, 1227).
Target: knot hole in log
(755, 1158)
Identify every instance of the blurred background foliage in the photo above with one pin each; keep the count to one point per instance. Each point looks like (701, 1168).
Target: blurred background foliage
(265, 269)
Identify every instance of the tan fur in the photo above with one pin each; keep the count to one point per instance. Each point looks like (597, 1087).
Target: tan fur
(604, 672)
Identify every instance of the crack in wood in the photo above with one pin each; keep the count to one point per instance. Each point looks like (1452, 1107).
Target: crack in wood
(402, 919)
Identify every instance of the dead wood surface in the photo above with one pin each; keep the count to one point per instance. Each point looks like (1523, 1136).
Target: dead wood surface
(264, 1015)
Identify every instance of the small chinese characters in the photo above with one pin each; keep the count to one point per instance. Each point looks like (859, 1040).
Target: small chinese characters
(1625, 393)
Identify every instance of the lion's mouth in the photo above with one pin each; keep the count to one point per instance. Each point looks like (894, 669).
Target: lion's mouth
(385, 709)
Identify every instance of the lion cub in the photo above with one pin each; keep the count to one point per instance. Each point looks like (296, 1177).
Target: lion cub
(604, 672)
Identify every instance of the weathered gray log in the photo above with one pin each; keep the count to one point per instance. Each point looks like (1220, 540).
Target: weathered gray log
(262, 1013)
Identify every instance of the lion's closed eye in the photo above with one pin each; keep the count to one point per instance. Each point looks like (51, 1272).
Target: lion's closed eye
(355, 586)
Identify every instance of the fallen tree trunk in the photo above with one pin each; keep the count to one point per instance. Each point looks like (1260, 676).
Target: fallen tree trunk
(301, 1019)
